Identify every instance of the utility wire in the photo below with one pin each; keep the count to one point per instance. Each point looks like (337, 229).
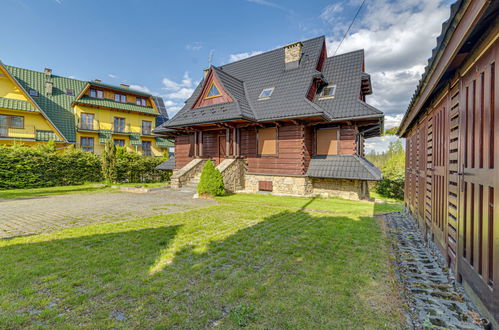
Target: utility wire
(348, 30)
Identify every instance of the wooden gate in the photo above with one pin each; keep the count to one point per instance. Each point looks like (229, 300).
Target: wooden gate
(478, 260)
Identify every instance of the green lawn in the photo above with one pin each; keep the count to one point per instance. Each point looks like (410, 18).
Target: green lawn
(60, 190)
(254, 260)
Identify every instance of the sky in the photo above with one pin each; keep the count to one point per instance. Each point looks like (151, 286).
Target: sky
(163, 46)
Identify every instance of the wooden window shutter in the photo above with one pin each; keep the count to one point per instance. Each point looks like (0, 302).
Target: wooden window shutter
(267, 141)
(327, 141)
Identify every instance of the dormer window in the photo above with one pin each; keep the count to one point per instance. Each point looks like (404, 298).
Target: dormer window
(141, 101)
(95, 93)
(120, 98)
(33, 92)
(328, 92)
(266, 93)
(213, 91)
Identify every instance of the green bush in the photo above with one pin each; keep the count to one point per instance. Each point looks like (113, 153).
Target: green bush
(43, 166)
(132, 167)
(393, 169)
(211, 182)
(109, 168)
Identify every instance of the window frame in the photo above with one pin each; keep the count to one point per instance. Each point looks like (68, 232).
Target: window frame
(99, 94)
(141, 101)
(209, 89)
(9, 122)
(271, 89)
(276, 154)
(114, 124)
(149, 149)
(87, 114)
(325, 97)
(87, 146)
(121, 142)
(33, 92)
(70, 92)
(150, 127)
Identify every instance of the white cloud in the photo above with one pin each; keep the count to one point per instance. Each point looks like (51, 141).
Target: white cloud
(380, 144)
(398, 37)
(242, 56)
(270, 4)
(110, 75)
(141, 89)
(195, 46)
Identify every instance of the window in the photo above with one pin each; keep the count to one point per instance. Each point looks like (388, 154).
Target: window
(16, 122)
(266, 93)
(146, 127)
(119, 142)
(119, 124)
(32, 92)
(327, 141)
(146, 148)
(213, 91)
(267, 141)
(120, 98)
(96, 93)
(141, 101)
(4, 125)
(87, 121)
(328, 92)
(87, 144)
(70, 92)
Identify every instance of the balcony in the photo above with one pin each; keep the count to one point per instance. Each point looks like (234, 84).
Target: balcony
(28, 133)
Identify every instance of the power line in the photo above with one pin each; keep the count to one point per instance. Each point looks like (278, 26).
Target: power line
(348, 30)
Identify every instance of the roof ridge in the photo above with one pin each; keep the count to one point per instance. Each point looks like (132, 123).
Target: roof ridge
(39, 72)
(272, 50)
(347, 53)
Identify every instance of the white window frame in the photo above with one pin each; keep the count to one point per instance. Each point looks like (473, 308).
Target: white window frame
(325, 97)
(271, 89)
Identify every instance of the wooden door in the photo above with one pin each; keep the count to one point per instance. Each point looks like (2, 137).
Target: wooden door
(478, 261)
(221, 148)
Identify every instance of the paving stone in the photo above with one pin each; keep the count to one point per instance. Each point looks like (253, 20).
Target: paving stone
(434, 297)
(34, 215)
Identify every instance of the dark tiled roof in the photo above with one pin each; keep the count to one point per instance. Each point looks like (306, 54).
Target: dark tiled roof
(16, 104)
(111, 104)
(343, 167)
(244, 80)
(167, 165)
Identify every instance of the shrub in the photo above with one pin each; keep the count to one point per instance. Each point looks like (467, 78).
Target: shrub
(211, 182)
(392, 184)
(132, 167)
(109, 170)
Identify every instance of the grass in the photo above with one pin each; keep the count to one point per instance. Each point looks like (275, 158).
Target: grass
(253, 260)
(60, 190)
(142, 185)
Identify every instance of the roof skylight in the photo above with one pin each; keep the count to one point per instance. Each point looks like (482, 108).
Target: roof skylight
(266, 93)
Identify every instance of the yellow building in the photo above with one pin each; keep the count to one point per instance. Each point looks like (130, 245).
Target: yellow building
(36, 107)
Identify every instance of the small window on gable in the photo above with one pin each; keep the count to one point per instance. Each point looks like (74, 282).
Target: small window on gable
(33, 92)
(328, 92)
(213, 91)
(266, 93)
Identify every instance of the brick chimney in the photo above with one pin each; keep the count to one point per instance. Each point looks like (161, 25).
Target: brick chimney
(97, 80)
(292, 55)
(124, 85)
(205, 71)
(49, 86)
(48, 72)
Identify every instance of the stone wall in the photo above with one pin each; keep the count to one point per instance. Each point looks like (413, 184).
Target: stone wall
(233, 173)
(185, 174)
(344, 188)
(283, 185)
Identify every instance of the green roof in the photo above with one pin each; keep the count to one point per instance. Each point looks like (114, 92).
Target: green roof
(57, 106)
(111, 104)
(119, 88)
(16, 105)
(164, 143)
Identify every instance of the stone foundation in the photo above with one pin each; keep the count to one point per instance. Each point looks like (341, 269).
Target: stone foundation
(182, 176)
(232, 171)
(306, 186)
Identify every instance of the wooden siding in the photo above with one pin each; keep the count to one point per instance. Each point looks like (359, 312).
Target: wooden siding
(202, 101)
(183, 151)
(452, 178)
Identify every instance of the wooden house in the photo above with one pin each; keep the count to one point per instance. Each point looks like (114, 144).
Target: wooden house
(451, 131)
(288, 121)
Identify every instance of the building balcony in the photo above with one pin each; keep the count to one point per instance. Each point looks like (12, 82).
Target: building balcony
(28, 133)
(127, 129)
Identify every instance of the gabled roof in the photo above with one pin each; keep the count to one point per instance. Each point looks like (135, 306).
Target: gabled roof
(111, 104)
(343, 167)
(244, 80)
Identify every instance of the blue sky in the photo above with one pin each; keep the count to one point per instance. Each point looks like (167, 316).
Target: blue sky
(163, 46)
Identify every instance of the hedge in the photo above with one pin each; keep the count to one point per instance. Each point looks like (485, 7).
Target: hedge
(43, 166)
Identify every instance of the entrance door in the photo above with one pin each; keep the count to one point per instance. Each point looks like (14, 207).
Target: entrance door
(221, 148)
(4, 125)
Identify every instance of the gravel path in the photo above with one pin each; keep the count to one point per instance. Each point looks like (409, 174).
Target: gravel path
(435, 299)
(25, 216)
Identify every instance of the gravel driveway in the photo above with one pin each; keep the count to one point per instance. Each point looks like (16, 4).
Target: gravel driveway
(25, 216)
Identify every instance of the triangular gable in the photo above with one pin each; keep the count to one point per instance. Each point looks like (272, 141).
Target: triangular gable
(29, 99)
(9, 88)
(209, 95)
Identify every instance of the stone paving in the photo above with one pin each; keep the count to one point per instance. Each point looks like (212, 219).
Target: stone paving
(434, 297)
(26, 216)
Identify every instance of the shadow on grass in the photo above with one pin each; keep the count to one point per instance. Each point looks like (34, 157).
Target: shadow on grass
(290, 270)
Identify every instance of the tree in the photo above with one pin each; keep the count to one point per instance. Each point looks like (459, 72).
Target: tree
(211, 182)
(109, 170)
